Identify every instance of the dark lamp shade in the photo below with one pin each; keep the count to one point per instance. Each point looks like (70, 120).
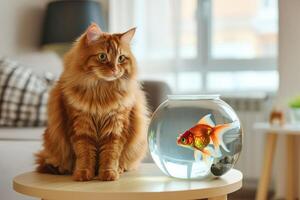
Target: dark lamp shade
(67, 20)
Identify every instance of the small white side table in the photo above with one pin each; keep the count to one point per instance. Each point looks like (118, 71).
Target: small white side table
(146, 183)
(289, 131)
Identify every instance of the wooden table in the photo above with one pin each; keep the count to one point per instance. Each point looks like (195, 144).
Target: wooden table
(289, 131)
(148, 182)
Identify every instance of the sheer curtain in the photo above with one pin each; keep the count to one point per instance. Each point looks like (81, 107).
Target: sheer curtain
(165, 38)
(203, 45)
(155, 19)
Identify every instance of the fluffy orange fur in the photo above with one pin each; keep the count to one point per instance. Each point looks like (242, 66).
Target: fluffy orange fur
(97, 114)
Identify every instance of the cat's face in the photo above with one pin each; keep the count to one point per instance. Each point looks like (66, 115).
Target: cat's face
(107, 56)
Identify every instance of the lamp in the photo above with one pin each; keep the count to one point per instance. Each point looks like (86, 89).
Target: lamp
(65, 20)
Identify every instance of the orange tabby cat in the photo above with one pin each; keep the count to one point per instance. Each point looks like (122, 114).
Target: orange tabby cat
(97, 111)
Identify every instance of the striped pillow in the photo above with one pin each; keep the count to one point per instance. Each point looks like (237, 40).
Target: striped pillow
(23, 96)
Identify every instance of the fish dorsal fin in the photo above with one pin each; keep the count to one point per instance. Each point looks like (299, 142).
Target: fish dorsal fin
(207, 121)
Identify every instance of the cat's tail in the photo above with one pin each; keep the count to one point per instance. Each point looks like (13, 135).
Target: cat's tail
(43, 167)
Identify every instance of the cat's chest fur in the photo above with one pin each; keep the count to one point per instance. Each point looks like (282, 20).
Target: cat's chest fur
(105, 115)
(114, 121)
(99, 102)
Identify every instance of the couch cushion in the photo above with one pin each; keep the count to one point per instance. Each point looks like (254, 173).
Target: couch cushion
(23, 95)
(41, 62)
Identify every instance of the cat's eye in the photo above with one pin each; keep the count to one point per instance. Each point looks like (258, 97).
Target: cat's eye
(102, 57)
(121, 59)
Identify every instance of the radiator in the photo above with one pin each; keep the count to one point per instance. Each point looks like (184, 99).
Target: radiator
(251, 110)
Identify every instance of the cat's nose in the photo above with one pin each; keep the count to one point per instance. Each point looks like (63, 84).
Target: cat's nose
(114, 70)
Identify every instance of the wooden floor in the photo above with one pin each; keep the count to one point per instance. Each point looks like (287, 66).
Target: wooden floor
(248, 191)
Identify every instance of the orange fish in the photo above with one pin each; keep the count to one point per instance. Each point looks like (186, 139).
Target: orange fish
(201, 135)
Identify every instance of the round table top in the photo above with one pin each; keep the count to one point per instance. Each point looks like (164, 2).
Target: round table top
(148, 182)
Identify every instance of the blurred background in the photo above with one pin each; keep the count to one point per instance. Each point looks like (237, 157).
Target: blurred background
(195, 46)
(245, 50)
(212, 46)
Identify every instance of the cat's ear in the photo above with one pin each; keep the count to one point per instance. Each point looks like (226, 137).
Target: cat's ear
(93, 33)
(128, 35)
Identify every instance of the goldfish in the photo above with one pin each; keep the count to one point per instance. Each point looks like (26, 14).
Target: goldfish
(199, 137)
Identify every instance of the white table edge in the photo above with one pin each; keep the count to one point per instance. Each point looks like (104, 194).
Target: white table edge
(184, 194)
(291, 129)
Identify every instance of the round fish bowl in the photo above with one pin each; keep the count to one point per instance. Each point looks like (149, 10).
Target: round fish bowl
(195, 136)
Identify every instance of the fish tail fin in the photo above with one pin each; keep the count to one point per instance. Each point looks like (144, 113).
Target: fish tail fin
(217, 136)
(207, 121)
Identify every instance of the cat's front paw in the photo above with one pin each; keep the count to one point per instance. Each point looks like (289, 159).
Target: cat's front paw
(121, 170)
(108, 175)
(83, 175)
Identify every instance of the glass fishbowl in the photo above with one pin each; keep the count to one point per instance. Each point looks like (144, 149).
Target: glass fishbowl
(195, 136)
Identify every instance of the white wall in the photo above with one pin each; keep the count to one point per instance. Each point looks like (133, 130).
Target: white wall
(289, 73)
(289, 50)
(20, 22)
(21, 25)
(16, 158)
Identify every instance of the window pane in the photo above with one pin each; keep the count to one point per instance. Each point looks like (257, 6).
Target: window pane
(167, 29)
(169, 78)
(242, 81)
(188, 29)
(189, 82)
(184, 82)
(155, 34)
(244, 29)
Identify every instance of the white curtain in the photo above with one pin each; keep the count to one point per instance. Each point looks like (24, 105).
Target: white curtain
(155, 19)
(166, 37)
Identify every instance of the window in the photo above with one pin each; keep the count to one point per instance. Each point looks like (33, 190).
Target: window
(247, 30)
(203, 45)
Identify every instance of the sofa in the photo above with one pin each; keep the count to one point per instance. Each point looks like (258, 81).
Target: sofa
(18, 145)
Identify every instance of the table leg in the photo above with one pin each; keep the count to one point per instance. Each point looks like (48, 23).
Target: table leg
(267, 166)
(223, 197)
(290, 170)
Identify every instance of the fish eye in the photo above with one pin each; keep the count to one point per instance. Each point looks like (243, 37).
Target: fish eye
(183, 140)
(102, 57)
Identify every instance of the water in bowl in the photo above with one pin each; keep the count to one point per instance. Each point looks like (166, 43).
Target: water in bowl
(177, 115)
